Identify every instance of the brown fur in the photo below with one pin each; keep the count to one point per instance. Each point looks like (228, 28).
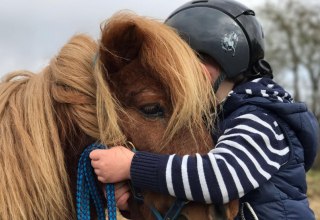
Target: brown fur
(47, 119)
(147, 66)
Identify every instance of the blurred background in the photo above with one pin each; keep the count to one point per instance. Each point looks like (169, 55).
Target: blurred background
(292, 29)
(32, 32)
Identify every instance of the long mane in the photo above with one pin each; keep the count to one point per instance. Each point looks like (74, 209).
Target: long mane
(43, 116)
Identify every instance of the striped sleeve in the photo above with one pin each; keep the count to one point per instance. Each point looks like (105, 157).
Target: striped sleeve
(248, 153)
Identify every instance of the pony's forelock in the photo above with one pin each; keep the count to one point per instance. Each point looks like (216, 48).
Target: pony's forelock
(163, 53)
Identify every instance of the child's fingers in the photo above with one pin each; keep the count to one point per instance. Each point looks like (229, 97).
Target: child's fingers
(122, 202)
(95, 154)
(120, 191)
(122, 194)
(102, 179)
(95, 164)
(97, 172)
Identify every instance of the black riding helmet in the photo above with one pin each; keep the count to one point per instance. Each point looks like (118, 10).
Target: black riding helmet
(225, 30)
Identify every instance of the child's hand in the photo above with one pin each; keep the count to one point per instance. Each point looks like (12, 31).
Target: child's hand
(122, 194)
(112, 165)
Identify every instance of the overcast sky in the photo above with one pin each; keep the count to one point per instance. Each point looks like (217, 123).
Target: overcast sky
(33, 31)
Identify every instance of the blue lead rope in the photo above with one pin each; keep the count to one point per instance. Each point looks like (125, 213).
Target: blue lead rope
(111, 202)
(88, 189)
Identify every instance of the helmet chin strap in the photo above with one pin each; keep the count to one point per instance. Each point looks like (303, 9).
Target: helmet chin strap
(218, 81)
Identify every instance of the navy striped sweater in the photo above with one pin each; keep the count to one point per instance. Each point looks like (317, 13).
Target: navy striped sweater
(250, 150)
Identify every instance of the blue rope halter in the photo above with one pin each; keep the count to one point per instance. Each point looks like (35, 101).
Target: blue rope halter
(88, 189)
(173, 212)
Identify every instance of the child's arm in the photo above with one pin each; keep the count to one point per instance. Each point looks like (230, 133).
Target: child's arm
(246, 156)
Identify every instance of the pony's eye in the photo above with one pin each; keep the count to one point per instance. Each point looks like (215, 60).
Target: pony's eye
(152, 110)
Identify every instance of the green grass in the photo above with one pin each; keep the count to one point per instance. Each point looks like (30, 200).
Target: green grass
(313, 180)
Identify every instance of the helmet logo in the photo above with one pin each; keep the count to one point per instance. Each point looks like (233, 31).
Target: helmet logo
(229, 42)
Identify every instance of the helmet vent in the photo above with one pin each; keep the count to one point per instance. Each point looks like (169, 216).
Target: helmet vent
(200, 1)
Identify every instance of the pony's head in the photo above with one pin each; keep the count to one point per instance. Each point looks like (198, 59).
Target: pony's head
(165, 100)
(157, 80)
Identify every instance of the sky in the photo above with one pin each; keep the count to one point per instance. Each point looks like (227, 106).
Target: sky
(32, 32)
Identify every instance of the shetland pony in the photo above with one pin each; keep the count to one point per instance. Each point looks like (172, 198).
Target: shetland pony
(47, 119)
(165, 99)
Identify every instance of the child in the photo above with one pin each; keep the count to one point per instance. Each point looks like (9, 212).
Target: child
(264, 141)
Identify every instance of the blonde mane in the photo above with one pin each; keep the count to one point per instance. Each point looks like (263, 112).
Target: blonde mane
(165, 55)
(41, 115)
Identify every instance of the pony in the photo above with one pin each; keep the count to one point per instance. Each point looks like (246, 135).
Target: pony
(144, 67)
(48, 118)
(165, 100)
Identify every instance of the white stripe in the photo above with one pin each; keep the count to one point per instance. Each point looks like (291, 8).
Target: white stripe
(280, 99)
(275, 93)
(169, 176)
(234, 176)
(249, 91)
(256, 80)
(270, 86)
(202, 178)
(263, 123)
(243, 166)
(221, 183)
(185, 177)
(244, 150)
(255, 145)
(265, 138)
(264, 93)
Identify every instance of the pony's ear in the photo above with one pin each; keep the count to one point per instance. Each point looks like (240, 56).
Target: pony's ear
(120, 44)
